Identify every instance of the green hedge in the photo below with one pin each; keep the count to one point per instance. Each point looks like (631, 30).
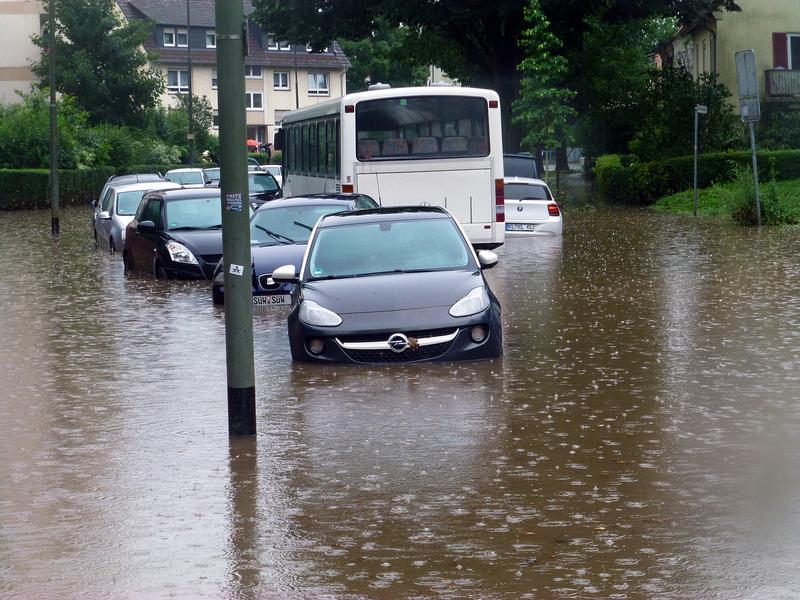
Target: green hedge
(647, 182)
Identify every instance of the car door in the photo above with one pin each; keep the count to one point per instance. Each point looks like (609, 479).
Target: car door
(102, 227)
(143, 245)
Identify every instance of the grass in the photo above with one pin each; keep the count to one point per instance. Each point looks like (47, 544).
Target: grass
(780, 200)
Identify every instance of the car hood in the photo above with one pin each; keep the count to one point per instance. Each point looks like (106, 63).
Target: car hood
(268, 258)
(397, 291)
(200, 242)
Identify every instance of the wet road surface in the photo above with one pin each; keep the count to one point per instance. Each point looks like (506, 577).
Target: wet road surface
(638, 440)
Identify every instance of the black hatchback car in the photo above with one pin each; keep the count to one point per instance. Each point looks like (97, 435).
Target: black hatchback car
(175, 234)
(392, 285)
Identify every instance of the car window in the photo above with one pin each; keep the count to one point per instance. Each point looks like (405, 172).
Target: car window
(364, 201)
(185, 177)
(152, 212)
(194, 213)
(262, 183)
(128, 202)
(390, 246)
(525, 191)
(107, 199)
(288, 224)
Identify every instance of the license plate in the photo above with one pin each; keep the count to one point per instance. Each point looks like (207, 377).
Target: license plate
(520, 227)
(274, 300)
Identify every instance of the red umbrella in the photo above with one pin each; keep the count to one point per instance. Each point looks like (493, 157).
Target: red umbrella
(251, 143)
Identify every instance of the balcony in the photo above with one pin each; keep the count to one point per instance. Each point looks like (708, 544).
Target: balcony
(782, 84)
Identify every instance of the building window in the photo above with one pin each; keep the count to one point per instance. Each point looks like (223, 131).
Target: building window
(794, 50)
(280, 80)
(177, 81)
(252, 72)
(284, 46)
(169, 37)
(270, 41)
(318, 84)
(308, 48)
(211, 38)
(182, 38)
(215, 119)
(214, 80)
(254, 101)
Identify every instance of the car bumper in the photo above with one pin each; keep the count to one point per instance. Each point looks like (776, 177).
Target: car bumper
(432, 338)
(177, 270)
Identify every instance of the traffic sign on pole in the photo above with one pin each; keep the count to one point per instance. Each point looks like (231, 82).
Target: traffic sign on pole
(749, 107)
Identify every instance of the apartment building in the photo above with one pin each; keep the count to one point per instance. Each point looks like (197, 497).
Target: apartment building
(279, 76)
(19, 20)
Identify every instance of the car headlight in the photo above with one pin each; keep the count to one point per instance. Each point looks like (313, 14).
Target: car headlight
(474, 302)
(180, 253)
(312, 313)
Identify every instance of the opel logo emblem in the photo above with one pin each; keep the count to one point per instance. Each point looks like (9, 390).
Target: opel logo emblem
(519, 209)
(398, 343)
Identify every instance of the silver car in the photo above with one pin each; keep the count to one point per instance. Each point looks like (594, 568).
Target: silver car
(116, 210)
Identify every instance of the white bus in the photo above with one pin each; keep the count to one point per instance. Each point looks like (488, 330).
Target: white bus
(440, 146)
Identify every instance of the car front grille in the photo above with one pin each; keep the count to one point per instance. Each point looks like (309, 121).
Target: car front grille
(421, 351)
(386, 357)
(212, 259)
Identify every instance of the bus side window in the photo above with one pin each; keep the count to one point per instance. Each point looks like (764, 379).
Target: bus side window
(338, 148)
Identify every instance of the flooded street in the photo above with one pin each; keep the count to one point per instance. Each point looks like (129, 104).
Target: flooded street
(639, 439)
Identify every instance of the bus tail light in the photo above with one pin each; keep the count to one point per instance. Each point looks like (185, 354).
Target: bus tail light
(499, 201)
(347, 188)
(552, 209)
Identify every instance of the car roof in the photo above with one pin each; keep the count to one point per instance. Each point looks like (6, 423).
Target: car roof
(377, 215)
(146, 185)
(133, 177)
(182, 193)
(525, 181)
(185, 170)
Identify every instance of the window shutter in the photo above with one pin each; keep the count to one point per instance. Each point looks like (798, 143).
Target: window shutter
(780, 51)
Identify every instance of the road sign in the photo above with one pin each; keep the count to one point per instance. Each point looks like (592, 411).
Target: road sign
(749, 105)
(701, 109)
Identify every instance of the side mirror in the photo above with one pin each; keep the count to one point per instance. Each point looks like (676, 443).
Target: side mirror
(487, 259)
(103, 215)
(285, 274)
(146, 227)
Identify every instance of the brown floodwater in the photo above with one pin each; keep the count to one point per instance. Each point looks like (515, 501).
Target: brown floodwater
(638, 440)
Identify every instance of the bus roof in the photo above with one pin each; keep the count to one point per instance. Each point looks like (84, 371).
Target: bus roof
(334, 107)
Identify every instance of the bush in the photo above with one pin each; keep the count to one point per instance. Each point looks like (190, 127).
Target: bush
(647, 182)
(30, 188)
(740, 198)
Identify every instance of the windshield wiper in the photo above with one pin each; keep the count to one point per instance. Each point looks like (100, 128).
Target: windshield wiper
(218, 226)
(185, 228)
(299, 224)
(276, 236)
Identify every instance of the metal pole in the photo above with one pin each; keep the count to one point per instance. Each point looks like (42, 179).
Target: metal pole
(755, 170)
(190, 134)
(55, 226)
(694, 185)
(296, 89)
(235, 220)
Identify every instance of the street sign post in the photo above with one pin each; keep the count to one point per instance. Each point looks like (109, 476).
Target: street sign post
(749, 107)
(699, 109)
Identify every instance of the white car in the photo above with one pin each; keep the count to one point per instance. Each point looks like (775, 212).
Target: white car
(276, 171)
(530, 208)
(116, 209)
(189, 178)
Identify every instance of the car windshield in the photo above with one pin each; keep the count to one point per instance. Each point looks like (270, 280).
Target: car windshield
(274, 169)
(213, 174)
(262, 183)
(194, 213)
(185, 177)
(361, 249)
(128, 202)
(288, 224)
(525, 191)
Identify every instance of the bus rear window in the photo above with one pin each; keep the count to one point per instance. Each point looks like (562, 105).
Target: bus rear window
(421, 127)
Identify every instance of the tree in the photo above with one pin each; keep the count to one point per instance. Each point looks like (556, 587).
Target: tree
(542, 109)
(381, 57)
(100, 61)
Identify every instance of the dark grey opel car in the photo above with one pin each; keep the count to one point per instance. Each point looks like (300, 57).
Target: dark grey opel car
(392, 285)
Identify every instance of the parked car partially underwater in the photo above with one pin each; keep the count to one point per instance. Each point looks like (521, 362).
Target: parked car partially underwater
(392, 285)
(531, 208)
(279, 231)
(175, 233)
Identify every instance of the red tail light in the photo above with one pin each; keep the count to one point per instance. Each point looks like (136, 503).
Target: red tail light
(552, 209)
(499, 201)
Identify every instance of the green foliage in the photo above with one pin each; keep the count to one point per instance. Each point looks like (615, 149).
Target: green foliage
(170, 126)
(779, 128)
(25, 132)
(667, 127)
(100, 61)
(381, 56)
(542, 109)
(30, 188)
(646, 182)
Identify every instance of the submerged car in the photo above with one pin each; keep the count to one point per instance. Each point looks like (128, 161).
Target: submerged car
(124, 179)
(175, 234)
(187, 177)
(279, 231)
(392, 285)
(531, 208)
(117, 209)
